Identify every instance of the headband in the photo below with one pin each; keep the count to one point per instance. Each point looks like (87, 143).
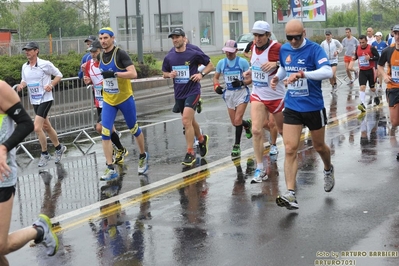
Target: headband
(107, 30)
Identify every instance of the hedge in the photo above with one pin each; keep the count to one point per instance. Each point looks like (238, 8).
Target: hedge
(10, 66)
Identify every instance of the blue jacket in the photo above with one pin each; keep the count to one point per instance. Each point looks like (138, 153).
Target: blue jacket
(85, 58)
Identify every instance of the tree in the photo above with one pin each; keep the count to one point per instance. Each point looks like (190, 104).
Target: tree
(7, 19)
(389, 11)
(50, 17)
(96, 12)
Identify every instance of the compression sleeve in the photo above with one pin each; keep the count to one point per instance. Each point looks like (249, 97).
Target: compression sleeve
(325, 72)
(23, 128)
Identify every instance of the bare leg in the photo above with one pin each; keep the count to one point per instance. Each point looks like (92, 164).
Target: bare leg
(292, 136)
(258, 116)
(16, 240)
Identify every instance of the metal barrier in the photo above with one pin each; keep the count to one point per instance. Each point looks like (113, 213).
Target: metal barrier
(60, 190)
(73, 111)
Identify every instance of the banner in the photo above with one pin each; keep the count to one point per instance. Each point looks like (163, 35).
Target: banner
(305, 10)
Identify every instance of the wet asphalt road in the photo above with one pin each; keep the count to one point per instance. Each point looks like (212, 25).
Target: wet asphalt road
(211, 214)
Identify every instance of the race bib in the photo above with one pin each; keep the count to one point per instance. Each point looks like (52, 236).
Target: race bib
(259, 78)
(111, 86)
(36, 93)
(183, 74)
(299, 88)
(98, 94)
(395, 74)
(363, 62)
(229, 77)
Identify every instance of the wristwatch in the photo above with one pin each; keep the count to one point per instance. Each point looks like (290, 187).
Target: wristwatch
(203, 74)
(278, 63)
(116, 74)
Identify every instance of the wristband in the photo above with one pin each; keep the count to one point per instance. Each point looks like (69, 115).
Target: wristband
(301, 73)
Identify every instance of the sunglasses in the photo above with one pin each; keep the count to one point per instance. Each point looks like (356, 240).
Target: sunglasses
(296, 37)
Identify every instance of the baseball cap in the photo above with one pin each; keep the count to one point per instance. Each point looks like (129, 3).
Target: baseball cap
(260, 27)
(94, 46)
(30, 45)
(328, 32)
(395, 28)
(378, 33)
(230, 46)
(178, 32)
(91, 38)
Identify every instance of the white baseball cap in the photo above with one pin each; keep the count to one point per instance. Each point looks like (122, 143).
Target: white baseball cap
(378, 34)
(260, 27)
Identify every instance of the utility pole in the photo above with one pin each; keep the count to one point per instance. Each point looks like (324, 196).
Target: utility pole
(139, 33)
(359, 22)
(127, 26)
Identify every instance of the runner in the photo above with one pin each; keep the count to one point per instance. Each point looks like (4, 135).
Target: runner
(236, 94)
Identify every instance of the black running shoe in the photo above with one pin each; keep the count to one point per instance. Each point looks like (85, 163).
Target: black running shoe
(203, 147)
(199, 106)
(189, 159)
(377, 100)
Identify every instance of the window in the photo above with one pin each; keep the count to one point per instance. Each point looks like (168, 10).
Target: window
(235, 24)
(132, 29)
(206, 28)
(260, 16)
(169, 22)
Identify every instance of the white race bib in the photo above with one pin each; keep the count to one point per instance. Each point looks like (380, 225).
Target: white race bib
(183, 74)
(36, 93)
(299, 88)
(111, 86)
(259, 78)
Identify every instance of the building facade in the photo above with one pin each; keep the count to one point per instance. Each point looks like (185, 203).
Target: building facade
(207, 23)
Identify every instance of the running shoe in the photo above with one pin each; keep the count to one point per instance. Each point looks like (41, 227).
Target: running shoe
(120, 155)
(143, 163)
(248, 130)
(287, 200)
(377, 100)
(250, 166)
(329, 180)
(361, 116)
(44, 160)
(334, 89)
(259, 176)
(273, 149)
(361, 107)
(199, 106)
(109, 175)
(203, 147)
(50, 239)
(46, 176)
(189, 160)
(236, 152)
(59, 153)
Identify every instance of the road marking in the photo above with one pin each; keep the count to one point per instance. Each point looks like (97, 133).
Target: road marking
(164, 186)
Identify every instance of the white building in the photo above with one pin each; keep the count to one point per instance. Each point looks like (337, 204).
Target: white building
(207, 23)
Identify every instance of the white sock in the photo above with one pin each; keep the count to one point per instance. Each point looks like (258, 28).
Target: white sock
(362, 95)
